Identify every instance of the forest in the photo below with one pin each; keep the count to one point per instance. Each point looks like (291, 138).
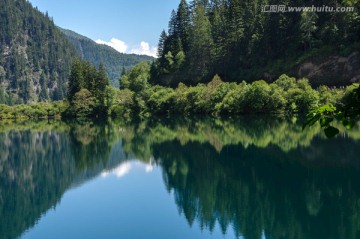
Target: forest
(237, 41)
(35, 57)
(90, 95)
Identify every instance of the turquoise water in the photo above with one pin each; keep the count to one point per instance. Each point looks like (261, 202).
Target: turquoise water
(129, 202)
(204, 178)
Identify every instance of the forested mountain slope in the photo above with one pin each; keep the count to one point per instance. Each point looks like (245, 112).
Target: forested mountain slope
(35, 57)
(112, 60)
(244, 40)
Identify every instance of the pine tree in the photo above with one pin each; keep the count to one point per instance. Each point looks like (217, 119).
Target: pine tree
(172, 24)
(218, 30)
(183, 24)
(200, 53)
(76, 79)
(161, 45)
(90, 75)
(123, 73)
(308, 27)
(101, 82)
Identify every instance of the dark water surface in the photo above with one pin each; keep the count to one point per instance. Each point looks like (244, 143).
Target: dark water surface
(247, 178)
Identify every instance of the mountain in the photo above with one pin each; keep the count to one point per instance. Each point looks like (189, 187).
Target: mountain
(35, 57)
(112, 60)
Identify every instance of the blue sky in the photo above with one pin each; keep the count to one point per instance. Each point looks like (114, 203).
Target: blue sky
(131, 26)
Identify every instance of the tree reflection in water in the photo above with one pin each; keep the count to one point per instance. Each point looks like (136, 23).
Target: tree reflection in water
(252, 175)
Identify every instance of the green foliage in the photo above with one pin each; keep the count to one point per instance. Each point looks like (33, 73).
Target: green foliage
(351, 101)
(348, 113)
(257, 97)
(234, 100)
(304, 96)
(325, 115)
(286, 95)
(123, 103)
(330, 96)
(161, 100)
(85, 76)
(41, 110)
(83, 104)
(137, 78)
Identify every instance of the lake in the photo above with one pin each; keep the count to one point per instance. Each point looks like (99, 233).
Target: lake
(247, 177)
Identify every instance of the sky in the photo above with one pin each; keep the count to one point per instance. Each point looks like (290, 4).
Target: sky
(129, 26)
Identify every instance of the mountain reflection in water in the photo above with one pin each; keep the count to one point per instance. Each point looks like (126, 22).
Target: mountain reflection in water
(255, 177)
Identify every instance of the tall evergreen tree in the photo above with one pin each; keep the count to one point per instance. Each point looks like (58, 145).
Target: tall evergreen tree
(172, 24)
(201, 45)
(161, 45)
(76, 79)
(101, 82)
(183, 24)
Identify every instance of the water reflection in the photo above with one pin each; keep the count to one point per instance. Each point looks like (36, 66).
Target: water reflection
(254, 176)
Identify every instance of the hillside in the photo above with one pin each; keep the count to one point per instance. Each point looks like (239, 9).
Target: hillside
(112, 60)
(35, 57)
(242, 40)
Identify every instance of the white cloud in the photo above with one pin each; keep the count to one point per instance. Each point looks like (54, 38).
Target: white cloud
(143, 48)
(149, 168)
(125, 168)
(120, 171)
(117, 44)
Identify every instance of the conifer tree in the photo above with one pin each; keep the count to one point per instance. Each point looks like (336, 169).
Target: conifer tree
(183, 24)
(101, 82)
(76, 79)
(201, 45)
(161, 45)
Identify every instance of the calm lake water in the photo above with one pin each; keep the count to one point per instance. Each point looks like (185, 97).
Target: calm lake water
(249, 178)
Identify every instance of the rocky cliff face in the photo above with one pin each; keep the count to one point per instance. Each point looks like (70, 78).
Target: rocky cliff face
(332, 71)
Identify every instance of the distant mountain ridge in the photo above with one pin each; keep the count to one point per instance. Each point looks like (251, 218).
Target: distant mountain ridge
(35, 57)
(95, 53)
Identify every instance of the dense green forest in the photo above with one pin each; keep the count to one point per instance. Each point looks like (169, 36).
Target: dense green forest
(286, 95)
(90, 95)
(237, 41)
(35, 57)
(114, 62)
(210, 48)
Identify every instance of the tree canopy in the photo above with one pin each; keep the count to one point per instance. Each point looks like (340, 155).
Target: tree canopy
(238, 41)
